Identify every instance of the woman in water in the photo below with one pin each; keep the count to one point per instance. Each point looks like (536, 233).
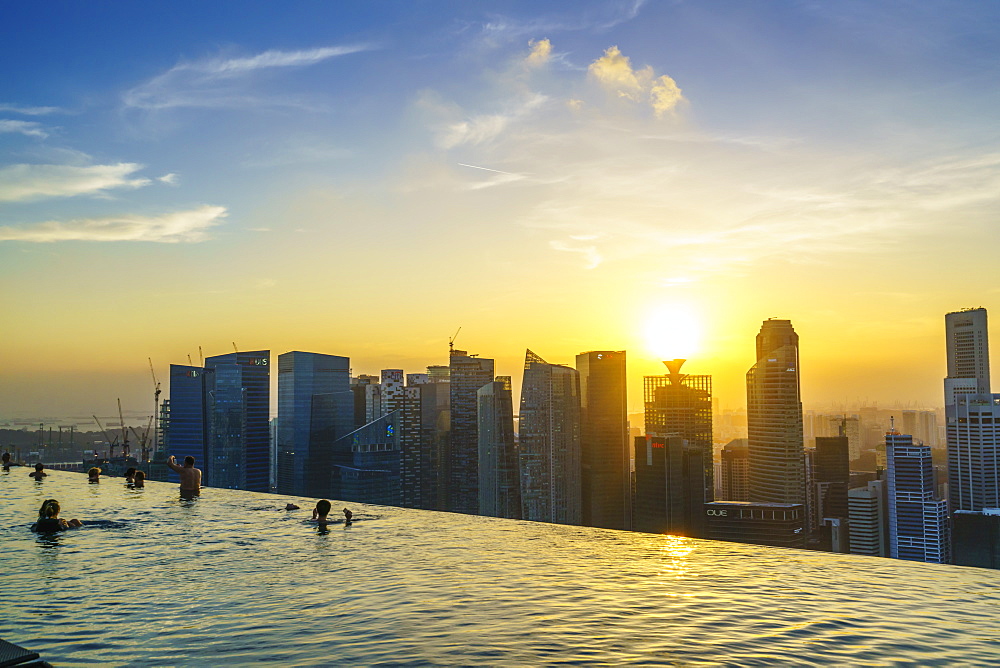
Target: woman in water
(49, 520)
(94, 474)
(139, 481)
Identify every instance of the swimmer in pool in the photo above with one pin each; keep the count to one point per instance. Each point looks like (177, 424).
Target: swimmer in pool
(49, 520)
(347, 516)
(320, 512)
(190, 476)
(39, 472)
(6, 461)
(130, 475)
(94, 475)
(139, 482)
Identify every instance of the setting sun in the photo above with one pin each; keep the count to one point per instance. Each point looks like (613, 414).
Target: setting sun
(672, 331)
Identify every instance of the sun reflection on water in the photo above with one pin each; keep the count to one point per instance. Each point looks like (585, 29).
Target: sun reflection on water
(676, 551)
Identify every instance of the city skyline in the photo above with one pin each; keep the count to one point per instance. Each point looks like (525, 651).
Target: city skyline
(648, 177)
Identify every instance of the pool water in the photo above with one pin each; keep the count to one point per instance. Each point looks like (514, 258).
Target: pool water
(231, 578)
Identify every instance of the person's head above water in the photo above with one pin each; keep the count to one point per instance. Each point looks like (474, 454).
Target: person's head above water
(6, 458)
(94, 473)
(323, 507)
(130, 473)
(140, 478)
(189, 461)
(50, 508)
(39, 467)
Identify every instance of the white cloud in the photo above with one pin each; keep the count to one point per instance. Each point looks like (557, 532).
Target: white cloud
(487, 127)
(224, 82)
(20, 183)
(29, 111)
(181, 226)
(28, 128)
(169, 179)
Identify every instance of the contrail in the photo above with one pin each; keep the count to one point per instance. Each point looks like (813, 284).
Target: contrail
(487, 169)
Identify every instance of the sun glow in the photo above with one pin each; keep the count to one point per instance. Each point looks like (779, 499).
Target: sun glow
(672, 331)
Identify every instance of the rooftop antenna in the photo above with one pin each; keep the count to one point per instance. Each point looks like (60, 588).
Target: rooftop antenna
(189, 360)
(235, 348)
(451, 342)
(201, 357)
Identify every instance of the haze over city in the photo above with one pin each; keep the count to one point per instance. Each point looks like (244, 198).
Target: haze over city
(364, 179)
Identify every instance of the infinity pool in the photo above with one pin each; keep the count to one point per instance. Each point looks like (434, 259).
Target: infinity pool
(231, 578)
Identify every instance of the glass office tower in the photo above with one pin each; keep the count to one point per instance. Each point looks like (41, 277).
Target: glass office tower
(467, 374)
(605, 486)
(774, 417)
(549, 440)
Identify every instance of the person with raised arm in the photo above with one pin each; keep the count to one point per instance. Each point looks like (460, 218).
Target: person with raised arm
(190, 476)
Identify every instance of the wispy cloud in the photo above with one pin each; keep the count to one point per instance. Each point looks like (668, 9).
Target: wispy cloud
(182, 226)
(28, 128)
(169, 179)
(605, 16)
(484, 128)
(29, 111)
(225, 82)
(20, 183)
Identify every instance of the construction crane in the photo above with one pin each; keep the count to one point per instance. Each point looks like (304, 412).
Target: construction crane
(235, 348)
(189, 360)
(201, 357)
(451, 342)
(111, 444)
(156, 402)
(121, 418)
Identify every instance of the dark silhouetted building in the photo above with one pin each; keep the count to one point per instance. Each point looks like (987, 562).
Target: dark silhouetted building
(774, 417)
(678, 404)
(239, 405)
(775, 524)
(549, 442)
(831, 479)
(315, 408)
(603, 439)
(669, 486)
(184, 422)
(499, 474)
(976, 538)
(467, 373)
(367, 463)
(735, 471)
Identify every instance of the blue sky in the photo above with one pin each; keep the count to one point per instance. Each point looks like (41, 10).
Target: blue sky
(547, 175)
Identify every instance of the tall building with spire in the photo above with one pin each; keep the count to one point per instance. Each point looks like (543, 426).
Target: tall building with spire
(774, 417)
(606, 489)
(467, 373)
(549, 440)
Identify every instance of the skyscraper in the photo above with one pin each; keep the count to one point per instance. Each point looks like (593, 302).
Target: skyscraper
(973, 427)
(499, 473)
(967, 347)
(603, 440)
(918, 523)
(239, 402)
(869, 519)
(735, 471)
(549, 439)
(315, 407)
(774, 417)
(467, 373)
(185, 431)
(679, 404)
(972, 414)
(669, 486)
